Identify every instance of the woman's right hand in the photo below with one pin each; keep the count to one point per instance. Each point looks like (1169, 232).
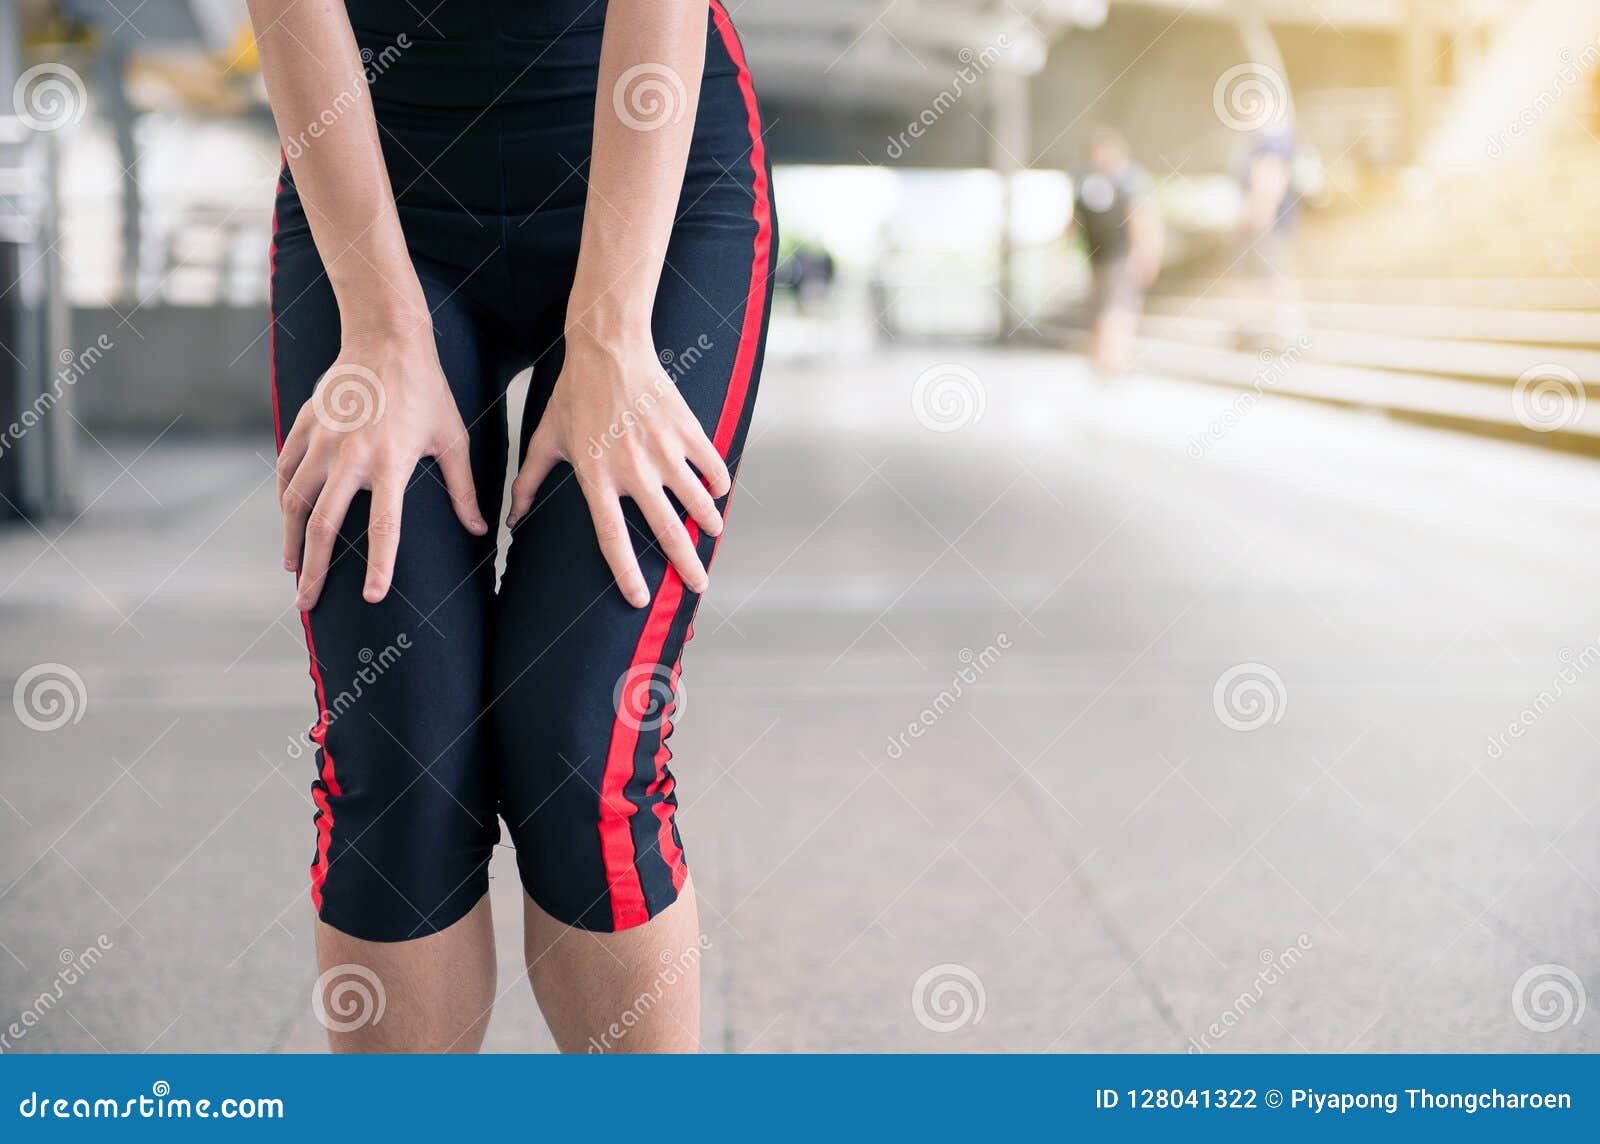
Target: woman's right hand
(384, 404)
(378, 410)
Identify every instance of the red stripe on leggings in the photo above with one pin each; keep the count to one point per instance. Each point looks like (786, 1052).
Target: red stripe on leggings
(319, 736)
(750, 336)
(671, 853)
(628, 906)
(319, 733)
(272, 314)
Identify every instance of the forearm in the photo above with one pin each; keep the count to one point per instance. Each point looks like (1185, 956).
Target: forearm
(648, 89)
(318, 90)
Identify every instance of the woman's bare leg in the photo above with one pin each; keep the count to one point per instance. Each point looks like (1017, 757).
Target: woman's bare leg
(430, 995)
(637, 991)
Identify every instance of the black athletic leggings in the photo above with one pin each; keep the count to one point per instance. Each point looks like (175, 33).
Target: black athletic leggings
(450, 705)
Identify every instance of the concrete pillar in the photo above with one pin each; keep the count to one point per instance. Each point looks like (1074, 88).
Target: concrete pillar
(1418, 55)
(60, 488)
(1471, 52)
(1008, 154)
(14, 330)
(120, 114)
(40, 316)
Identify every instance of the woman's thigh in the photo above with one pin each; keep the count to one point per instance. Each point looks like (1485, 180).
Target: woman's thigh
(405, 808)
(585, 686)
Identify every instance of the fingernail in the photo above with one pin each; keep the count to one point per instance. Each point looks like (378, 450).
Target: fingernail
(289, 566)
(512, 518)
(480, 526)
(372, 593)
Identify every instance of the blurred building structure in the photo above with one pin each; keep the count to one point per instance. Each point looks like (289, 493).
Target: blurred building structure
(1429, 134)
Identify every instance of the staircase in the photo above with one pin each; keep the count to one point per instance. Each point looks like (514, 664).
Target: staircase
(1473, 303)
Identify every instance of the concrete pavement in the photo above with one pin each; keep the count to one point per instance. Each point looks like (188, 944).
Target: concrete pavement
(1092, 845)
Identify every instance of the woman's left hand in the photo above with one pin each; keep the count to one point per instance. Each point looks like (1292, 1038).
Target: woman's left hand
(619, 421)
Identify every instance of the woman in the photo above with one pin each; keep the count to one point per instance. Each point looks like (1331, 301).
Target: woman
(469, 191)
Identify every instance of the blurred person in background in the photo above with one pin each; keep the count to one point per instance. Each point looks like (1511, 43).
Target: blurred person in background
(1122, 234)
(1271, 208)
(809, 272)
(399, 319)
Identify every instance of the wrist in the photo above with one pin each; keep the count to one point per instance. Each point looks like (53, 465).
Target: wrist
(381, 295)
(366, 321)
(616, 313)
(615, 332)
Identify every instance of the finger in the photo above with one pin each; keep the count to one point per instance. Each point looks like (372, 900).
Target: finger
(383, 535)
(697, 500)
(456, 465)
(292, 454)
(542, 457)
(322, 533)
(611, 530)
(298, 500)
(673, 538)
(704, 456)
